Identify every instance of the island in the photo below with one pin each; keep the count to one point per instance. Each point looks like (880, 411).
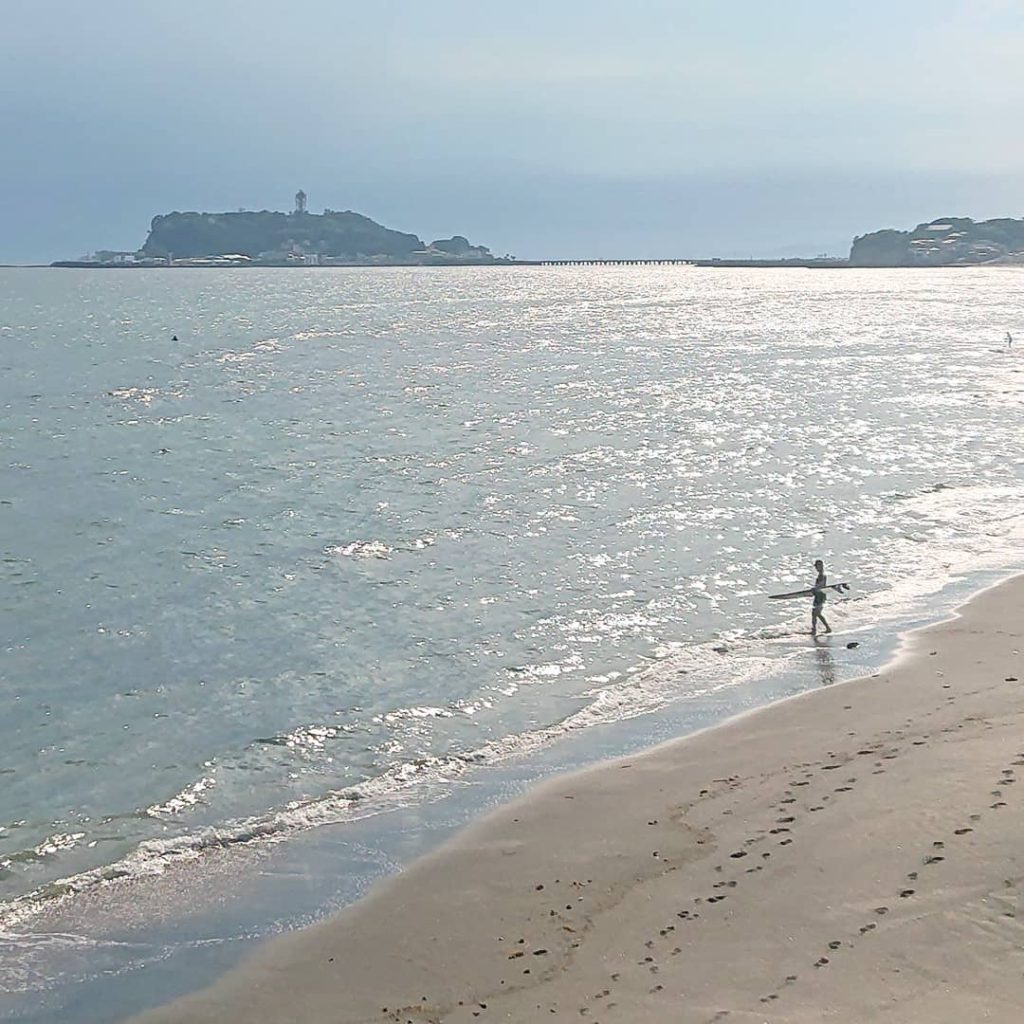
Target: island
(273, 239)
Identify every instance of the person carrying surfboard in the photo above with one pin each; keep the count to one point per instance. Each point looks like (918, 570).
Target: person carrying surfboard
(819, 600)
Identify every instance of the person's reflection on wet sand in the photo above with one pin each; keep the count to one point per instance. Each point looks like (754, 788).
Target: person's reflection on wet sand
(823, 660)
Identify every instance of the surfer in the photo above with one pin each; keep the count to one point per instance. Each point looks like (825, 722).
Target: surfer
(819, 600)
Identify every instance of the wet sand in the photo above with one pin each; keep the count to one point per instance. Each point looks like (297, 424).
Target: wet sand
(853, 854)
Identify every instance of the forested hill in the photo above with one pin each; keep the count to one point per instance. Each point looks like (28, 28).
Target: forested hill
(943, 242)
(342, 235)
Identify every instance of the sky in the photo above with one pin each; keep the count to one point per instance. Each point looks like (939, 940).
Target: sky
(541, 128)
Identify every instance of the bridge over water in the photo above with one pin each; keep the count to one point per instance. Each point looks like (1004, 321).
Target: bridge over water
(608, 263)
(818, 262)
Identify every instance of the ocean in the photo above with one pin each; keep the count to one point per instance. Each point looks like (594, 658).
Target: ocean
(284, 551)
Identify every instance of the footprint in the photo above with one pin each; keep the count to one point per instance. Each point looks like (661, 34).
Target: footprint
(821, 961)
(962, 831)
(834, 944)
(738, 854)
(904, 893)
(932, 859)
(865, 928)
(881, 910)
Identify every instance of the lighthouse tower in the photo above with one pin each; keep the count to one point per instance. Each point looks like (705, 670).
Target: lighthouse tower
(300, 201)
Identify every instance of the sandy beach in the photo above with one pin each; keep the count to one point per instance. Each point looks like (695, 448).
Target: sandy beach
(853, 854)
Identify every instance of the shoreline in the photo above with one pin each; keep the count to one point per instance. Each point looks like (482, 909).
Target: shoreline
(712, 264)
(464, 908)
(184, 930)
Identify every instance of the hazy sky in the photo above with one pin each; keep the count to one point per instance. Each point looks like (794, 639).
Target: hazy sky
(538, 127)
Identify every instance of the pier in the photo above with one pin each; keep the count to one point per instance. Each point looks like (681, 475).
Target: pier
(608, 263)
(821, 262)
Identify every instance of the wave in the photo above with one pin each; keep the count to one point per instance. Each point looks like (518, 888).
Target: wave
(709, 666)
(419, 780)
(360, 549)
(382, 549)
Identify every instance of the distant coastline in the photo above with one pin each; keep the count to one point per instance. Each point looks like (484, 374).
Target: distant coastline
(348, 239)
(828, 263)
(494, 262)
(221, 265)
(832, 263)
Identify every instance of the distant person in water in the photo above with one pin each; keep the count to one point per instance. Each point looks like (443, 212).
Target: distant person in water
(819, 599)
(1009, 340)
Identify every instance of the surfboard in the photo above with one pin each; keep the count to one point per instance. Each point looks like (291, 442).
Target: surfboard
(809, 592)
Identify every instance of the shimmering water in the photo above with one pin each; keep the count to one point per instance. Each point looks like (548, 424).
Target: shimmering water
(356, 530)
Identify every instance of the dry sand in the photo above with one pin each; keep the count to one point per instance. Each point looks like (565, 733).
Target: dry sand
(854, 854)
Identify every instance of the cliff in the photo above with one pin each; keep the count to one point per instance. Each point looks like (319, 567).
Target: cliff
(947, 241)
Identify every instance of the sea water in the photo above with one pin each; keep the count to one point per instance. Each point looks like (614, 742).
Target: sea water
(288, 549)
